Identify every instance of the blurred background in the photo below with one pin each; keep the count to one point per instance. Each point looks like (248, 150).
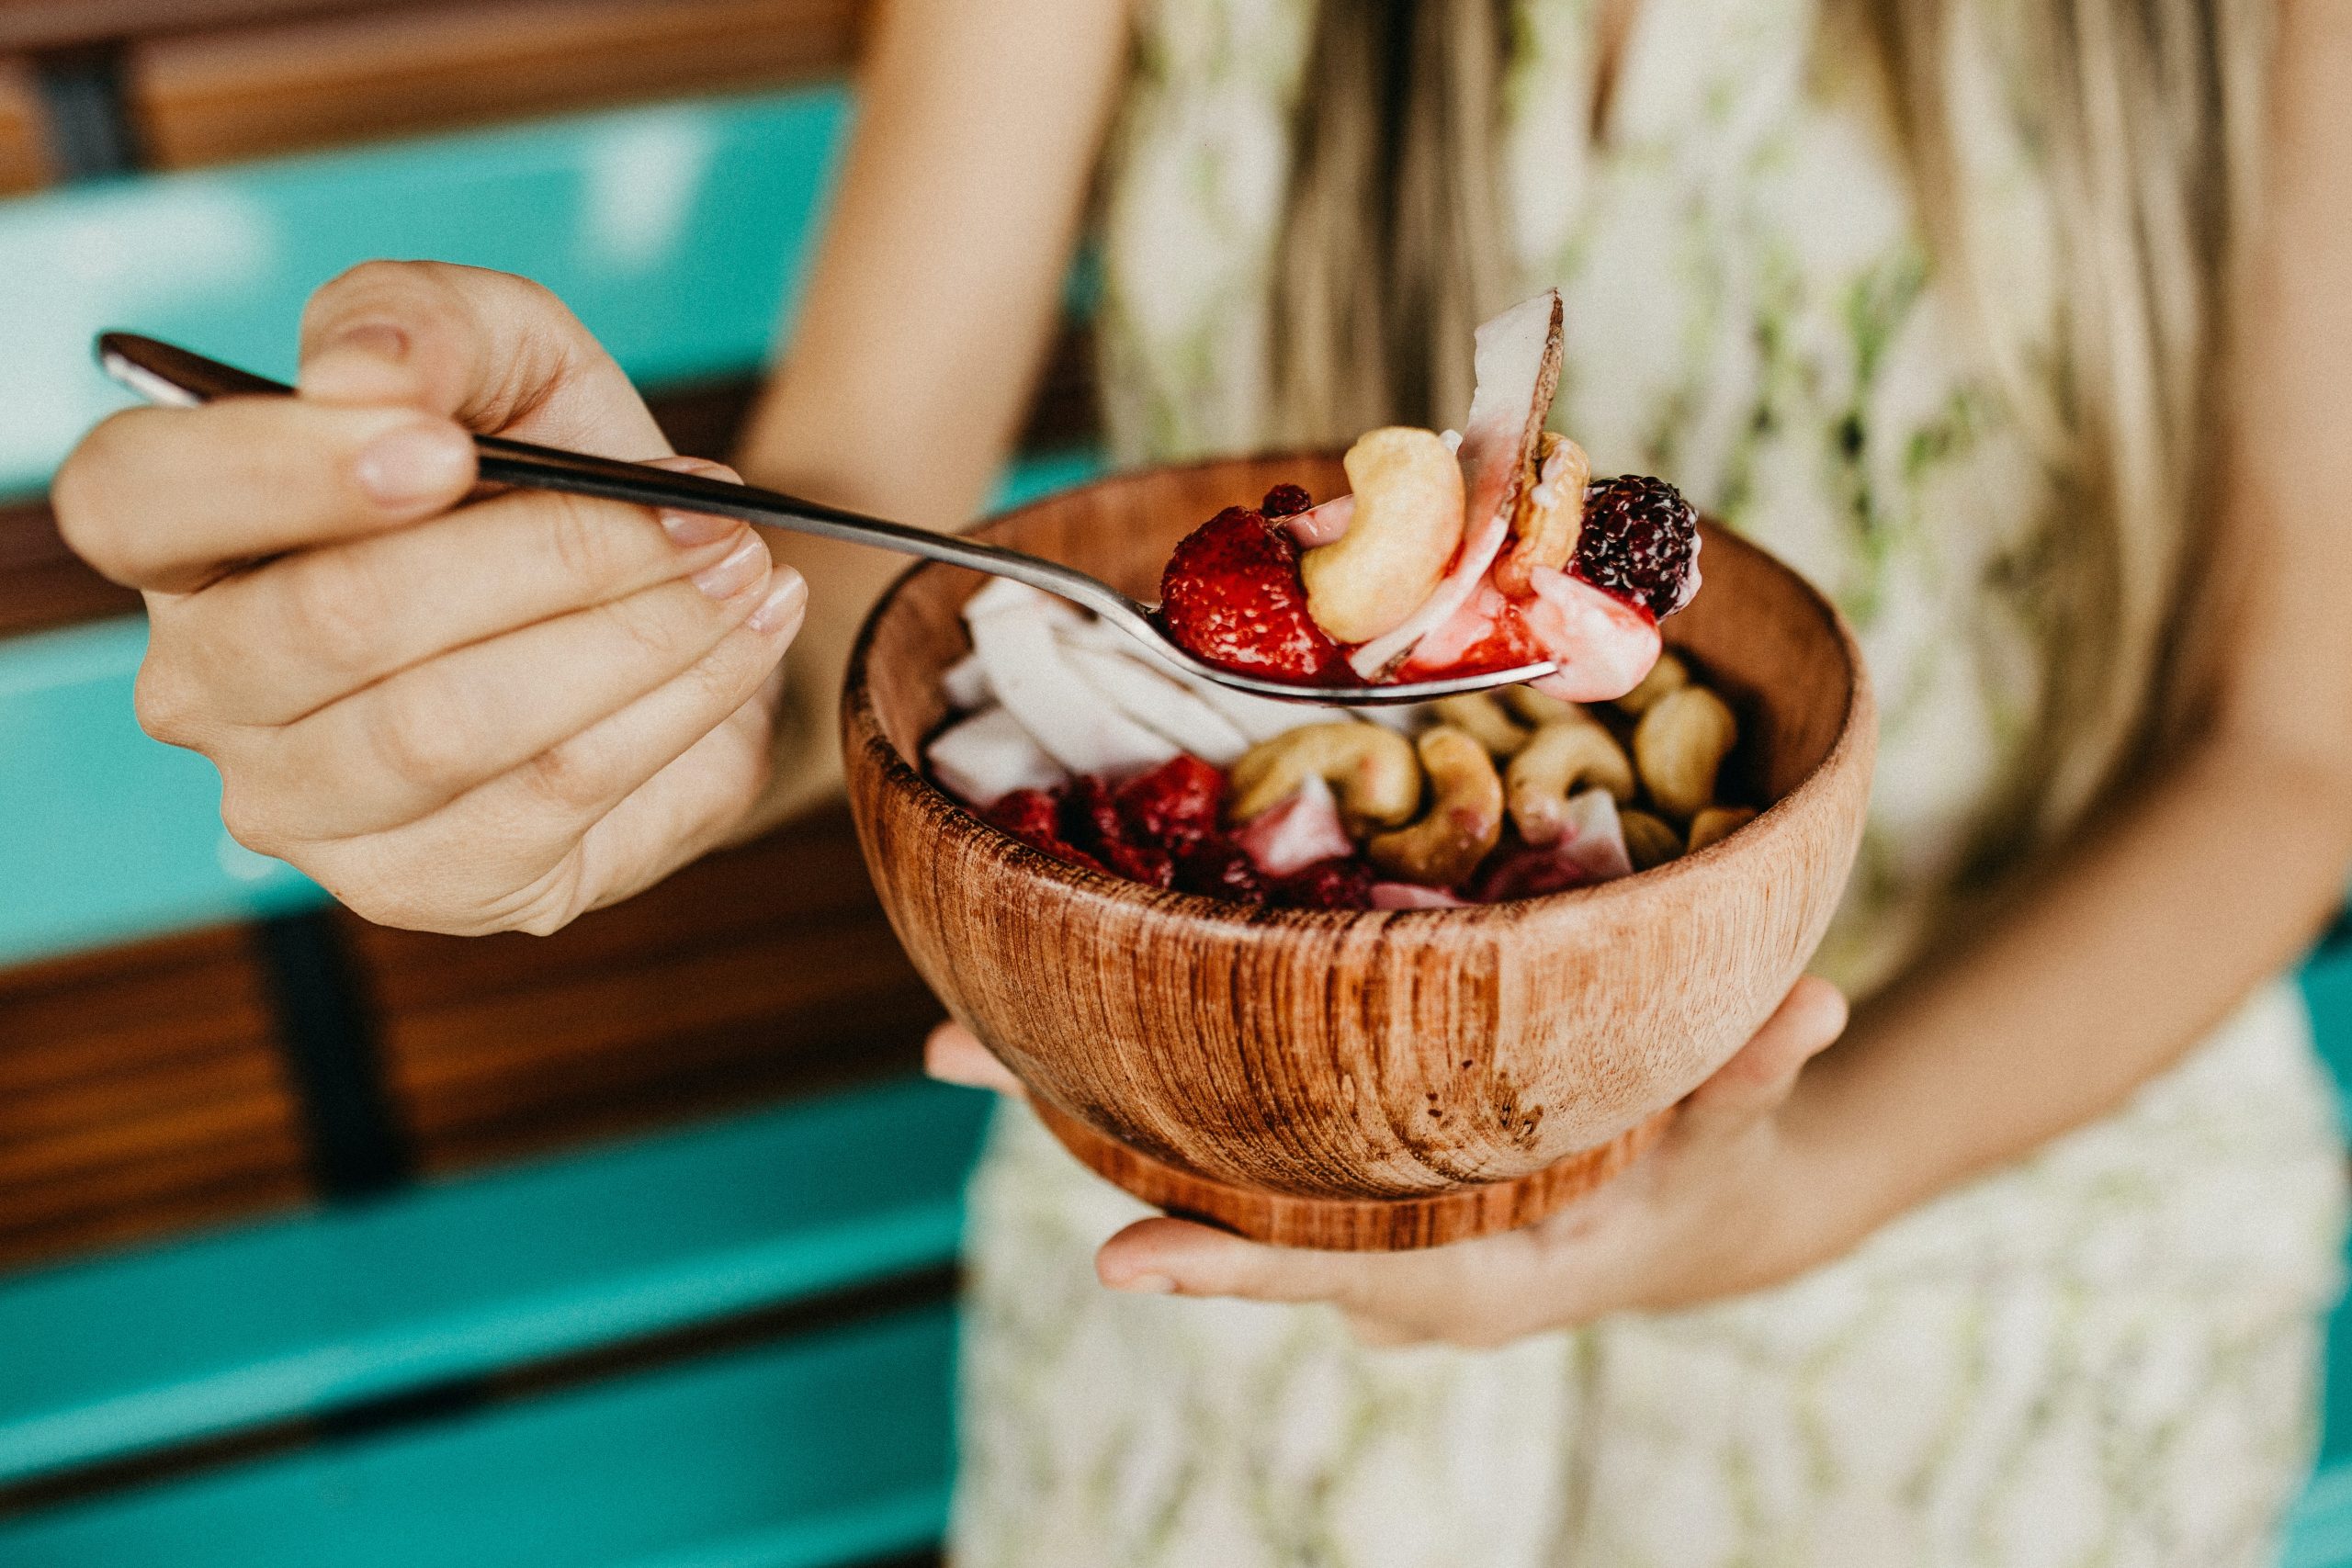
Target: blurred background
(323, 1244)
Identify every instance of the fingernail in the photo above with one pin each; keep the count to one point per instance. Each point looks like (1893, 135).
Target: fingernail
(782, 607)
(413, 463)
(1148, 1285)
(692, 530)
(744, 565)
(381, 339)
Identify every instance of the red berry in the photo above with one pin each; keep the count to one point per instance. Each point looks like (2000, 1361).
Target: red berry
(1090, 816)
(1232, 595)
(1640, 542)
(1220, 868)
(1342, 883)
(1284, 499)
(1175, 805)
(1033, 816)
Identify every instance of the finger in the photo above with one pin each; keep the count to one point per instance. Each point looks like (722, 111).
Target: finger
(1759, 1078)
(271, 645)
(166, 499)
(954, 1054)
(639, 795)
(1160, 1256)
(409, 745)
(493, 351)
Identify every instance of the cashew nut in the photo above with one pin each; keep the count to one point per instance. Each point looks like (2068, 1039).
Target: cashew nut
(1549, 517)
(1466, 815)
(1669, 674)
(1539, 707)
(1484, 717)
(1406, 526)
(1649, 841)
(1369, 766)
(1564, 758)
(1717, 823)
(1679, 745)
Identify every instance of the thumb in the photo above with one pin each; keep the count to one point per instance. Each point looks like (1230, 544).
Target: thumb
(1759, 1077)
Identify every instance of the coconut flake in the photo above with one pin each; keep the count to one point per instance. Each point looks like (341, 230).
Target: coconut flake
(1593, 839)
(988, 756)
(967, 685)
(1157, 701)
(1076, 725)
(1258, 718)
(1518, 364)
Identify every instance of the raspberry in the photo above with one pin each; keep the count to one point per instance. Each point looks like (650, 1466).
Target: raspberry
(1342, 883)
(1175, 805)
(1218, 868)
(1640, 542)
(1284, 499)
(1033, 816)
(1090, 819)
(1232, 595)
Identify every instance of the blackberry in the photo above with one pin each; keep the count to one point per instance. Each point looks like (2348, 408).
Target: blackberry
(1286, 499)
(1640, 541)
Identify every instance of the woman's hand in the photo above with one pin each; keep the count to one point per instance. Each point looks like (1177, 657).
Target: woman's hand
(1720, 1206)
(460, 715)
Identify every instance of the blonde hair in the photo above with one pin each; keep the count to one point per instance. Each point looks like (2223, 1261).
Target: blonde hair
(2149, 114)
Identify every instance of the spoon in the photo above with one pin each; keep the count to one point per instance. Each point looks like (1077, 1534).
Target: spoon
(163, 373)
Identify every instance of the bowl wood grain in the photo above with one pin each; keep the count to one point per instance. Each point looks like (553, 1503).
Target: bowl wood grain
(1374, 1080)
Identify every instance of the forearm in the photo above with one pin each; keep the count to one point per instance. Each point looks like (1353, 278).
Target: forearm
(931, 306)
(2140, 939)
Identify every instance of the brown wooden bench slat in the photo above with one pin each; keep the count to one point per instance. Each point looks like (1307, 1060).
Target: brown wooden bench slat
(141, 1094)
(23, 141)
(754, 974)
(73, 24)
(211, 98)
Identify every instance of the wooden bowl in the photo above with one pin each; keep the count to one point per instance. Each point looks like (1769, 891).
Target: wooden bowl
(1359, 1080)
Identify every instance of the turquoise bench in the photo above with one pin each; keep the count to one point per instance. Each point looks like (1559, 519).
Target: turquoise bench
(633, 1356)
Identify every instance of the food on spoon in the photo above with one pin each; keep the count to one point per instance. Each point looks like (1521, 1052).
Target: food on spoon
(1406, 528)
(1449, 556)
(1232, 594)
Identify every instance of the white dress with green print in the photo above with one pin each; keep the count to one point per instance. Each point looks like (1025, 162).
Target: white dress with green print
(2103, 1355)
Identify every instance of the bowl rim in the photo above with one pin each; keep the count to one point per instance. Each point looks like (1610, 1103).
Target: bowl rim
(861, 729)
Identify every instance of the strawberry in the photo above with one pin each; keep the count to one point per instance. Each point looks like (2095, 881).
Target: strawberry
(1175, 805)
(1232, 595)
(1342, 883)
(1033, 816)
(1090, 819)
(1222, 868)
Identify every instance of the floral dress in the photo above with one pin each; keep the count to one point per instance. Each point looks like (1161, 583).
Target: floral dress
(2105, 1354)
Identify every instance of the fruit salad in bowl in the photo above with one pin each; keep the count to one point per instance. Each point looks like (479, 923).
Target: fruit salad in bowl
(1450, 553)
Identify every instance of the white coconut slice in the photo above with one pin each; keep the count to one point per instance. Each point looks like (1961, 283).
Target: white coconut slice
(1258, 718)
(965, 681)
(1594, 841)
(1157, 701)
(1076, 725)
(1002, 596)
(988, 756)
(1517, 366)
(1293, 834)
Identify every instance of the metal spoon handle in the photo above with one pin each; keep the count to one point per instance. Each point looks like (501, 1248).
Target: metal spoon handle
(164, 373)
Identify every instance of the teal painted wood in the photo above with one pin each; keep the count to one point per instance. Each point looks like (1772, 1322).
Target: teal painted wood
(827, 1450)
(308, 1316)
(106, 834)
(677, 233)
(110, 836)
(2319, 1533)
